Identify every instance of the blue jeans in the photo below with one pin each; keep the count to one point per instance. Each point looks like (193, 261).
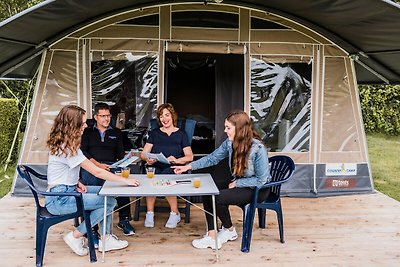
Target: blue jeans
(67, 204)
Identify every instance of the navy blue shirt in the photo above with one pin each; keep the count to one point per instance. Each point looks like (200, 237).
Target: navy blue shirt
(169, 145)
(107, 148)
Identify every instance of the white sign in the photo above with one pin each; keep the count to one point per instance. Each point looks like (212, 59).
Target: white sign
(340, 169)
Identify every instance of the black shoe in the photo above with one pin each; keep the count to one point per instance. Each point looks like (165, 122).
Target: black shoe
(126, 227)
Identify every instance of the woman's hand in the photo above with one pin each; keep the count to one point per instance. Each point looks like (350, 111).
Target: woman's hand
(81, 188)
(181, 169)
(232, 185)
(132, 181)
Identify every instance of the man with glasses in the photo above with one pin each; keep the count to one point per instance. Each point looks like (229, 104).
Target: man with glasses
(103, 145)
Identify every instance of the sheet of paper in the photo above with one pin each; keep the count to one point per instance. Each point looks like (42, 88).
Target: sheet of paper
(159, 157)
(124, 162)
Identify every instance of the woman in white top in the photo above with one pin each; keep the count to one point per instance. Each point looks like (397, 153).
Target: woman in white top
(65, 160)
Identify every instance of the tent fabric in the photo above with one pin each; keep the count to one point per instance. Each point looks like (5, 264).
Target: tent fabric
(366, 29)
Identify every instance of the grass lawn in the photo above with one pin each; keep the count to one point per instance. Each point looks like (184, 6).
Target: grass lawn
(384, 154)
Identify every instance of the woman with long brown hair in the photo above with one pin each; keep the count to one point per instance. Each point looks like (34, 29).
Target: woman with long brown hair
(65, 160)
(248, 162)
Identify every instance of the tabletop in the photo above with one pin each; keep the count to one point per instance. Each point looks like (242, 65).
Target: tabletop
(162, 185)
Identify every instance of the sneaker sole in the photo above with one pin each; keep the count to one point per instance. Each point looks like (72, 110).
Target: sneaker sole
(123, 232)
(212, 247)
(106, 250)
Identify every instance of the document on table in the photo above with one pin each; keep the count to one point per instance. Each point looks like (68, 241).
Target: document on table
(159, 157)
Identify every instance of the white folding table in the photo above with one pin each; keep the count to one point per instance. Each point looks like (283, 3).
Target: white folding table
(159, 185)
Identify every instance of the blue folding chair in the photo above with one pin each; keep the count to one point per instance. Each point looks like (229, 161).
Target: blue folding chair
(281, 169)
(188, 125)
(44, 219)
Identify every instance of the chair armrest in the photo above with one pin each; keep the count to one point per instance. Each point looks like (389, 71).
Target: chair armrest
(72, 194)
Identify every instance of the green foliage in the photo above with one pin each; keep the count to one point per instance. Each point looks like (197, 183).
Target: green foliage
(380, 107)
(9, 115)
(9, 8)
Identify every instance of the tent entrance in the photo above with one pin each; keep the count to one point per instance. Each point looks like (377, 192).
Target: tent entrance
(205, 87)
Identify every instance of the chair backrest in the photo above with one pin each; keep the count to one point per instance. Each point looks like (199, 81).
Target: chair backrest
(187, 125)
(281, 170)
(25, 173)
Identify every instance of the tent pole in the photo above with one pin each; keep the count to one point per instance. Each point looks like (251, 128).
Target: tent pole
(19, 125)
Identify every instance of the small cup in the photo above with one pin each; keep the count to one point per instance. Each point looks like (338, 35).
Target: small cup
(196, 182)
(150, 172)
(125, 172)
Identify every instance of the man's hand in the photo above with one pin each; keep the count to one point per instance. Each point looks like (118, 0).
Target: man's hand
(104, 166)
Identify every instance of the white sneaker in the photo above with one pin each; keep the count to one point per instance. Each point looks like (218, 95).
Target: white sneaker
(149, 221)
(173, 220)
(112, 243)
(76, 244)
(206, 242)
(224, 235)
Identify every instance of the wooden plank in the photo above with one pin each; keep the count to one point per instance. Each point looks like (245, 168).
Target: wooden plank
(357, 230)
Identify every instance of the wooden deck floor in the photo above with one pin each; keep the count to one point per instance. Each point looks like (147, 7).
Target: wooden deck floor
(357, 230)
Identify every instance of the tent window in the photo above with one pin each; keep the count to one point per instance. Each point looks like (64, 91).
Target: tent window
(205, 19)
(128, 83)
(281, 104)
(257, 23)
(151, 20)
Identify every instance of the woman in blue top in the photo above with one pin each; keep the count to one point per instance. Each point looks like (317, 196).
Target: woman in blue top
(248, 162)
(174, 144)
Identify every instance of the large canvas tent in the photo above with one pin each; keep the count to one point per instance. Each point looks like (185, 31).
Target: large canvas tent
(293, 66)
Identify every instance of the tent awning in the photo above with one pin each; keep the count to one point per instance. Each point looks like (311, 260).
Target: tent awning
(367, 29)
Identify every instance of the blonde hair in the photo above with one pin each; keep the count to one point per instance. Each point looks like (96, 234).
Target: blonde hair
(171, 109)
(244, 134)
(65, 135)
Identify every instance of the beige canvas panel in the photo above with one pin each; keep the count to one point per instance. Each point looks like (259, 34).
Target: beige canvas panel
(341, 157)
(165, 23)
(126, 31)
(35, 106)
(316, 100)
(124, 45)
(204, 34)
(332, 50)
(279, 36)
(290, 24)
(281, 49)
(85, 99)
(221, 48)
(245, 24)
(84, 32)
(60, 90)
(357, 108)
(339, 132)
(66, 44)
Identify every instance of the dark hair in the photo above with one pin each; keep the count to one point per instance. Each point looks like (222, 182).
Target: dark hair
(244, 134)
(171, 109)
(65, 135)
(100, 106)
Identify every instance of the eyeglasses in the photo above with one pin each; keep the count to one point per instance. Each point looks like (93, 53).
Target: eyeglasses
(104, 116)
